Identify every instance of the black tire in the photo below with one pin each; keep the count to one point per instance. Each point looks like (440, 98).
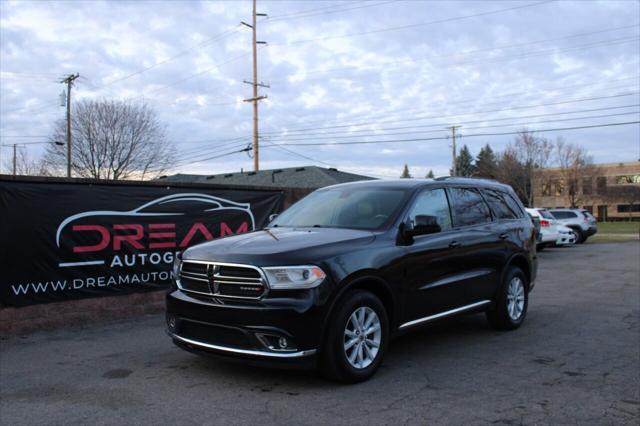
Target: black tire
(540, 247)
(580, 238)
(335, 364)
(498, 316)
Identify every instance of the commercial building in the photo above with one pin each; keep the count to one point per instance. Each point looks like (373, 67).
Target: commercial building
(612, 193)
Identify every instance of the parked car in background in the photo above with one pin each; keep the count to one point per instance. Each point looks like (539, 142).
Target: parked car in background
(548, 228)
(580, 221)
(566, 236)
(333, 278)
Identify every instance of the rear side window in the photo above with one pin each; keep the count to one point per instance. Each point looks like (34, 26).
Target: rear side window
(546, 214)
(499, 205)
(468, 207)
(513, 204)
(559, 214)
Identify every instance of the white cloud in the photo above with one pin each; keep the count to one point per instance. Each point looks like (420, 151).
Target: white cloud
(432, 75)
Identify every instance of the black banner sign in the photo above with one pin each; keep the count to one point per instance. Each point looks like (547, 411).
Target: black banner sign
(61, 241)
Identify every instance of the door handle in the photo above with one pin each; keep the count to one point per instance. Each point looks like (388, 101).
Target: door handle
(504, 236)
(454, 244)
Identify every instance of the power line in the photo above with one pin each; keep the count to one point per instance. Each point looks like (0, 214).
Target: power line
(395, 64)
(469, 52)
(440, 125)
(385, 114)
(465, 136)
(416, 118)
(337, 10)
(420, 24)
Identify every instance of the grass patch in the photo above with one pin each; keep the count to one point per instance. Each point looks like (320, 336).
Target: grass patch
(618, 227)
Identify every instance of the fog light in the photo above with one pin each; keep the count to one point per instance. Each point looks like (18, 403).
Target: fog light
(282, 342)
(171, 322)
(276, 343)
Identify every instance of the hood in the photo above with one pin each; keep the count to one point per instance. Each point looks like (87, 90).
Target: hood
(275, 246)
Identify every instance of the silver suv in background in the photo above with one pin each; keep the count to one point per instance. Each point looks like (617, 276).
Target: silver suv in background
(579, 220)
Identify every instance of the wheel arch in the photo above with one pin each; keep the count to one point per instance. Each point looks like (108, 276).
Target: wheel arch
(372, 282)
(520, 261)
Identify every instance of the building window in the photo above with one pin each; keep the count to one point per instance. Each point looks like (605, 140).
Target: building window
(546, 189)
(628, 208)
(559, 187)
(627, 179)
(601, 184)
(587, 186)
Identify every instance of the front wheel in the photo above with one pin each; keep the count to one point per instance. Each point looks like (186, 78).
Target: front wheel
(512, 301)
(356, 338)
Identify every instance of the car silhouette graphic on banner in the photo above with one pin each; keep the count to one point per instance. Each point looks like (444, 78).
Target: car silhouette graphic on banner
(166, 224)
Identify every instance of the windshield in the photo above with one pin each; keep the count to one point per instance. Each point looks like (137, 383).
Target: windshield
(347, 207)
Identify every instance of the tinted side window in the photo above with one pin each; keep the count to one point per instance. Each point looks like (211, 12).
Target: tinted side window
(468, 207)
(513, 204)
(498, 205)
(562, 215)
(432, 202)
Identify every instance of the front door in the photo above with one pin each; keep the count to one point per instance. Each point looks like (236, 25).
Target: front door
(429, 262)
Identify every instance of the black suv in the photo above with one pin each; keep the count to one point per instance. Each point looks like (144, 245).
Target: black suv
(332, 279)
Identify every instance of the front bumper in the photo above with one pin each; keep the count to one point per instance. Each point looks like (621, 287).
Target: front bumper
(248, 330)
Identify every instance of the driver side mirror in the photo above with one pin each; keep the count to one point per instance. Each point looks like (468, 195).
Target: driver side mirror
(424, 224)
(272, 216)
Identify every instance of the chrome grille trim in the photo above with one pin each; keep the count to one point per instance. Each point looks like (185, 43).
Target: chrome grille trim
(223, 279)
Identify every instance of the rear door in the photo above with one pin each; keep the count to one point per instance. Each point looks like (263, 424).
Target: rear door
(480, 252)
(508, 224)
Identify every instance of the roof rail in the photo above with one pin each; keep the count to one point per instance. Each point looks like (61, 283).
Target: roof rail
(466, 177)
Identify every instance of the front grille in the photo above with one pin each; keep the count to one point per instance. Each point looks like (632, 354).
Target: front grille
(224, 280)
(213, 334)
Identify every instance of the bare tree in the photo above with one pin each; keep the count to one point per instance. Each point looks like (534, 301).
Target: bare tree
(25, 164)
(112, 140)
(511, 171)
(576, 169)
(533, 153)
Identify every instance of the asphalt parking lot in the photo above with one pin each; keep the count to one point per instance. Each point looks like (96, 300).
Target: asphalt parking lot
(576, 360)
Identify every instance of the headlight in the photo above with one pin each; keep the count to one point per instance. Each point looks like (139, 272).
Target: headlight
(294, 277)
(176, 266)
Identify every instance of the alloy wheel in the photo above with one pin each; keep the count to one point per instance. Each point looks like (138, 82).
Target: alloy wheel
(515, 298)
(362, 337)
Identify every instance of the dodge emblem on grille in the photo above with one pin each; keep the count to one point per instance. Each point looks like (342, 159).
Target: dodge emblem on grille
(212, 270)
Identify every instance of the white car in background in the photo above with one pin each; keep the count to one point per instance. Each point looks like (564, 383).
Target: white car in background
(548, 228)
(566, 236)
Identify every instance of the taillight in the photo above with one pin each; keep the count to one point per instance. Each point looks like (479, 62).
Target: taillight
(544, 223)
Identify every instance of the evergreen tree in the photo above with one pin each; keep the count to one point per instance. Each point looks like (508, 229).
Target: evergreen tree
(405, 173)
(430, 175)
(486, 163)
(464, 162)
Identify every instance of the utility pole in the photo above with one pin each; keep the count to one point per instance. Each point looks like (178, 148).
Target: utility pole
(454, 169)
(68, 80)
(255, 99)
(14, 159)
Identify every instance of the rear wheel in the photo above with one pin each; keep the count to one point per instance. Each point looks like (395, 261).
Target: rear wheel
(540, 247)
(356, 338)
(512, 301)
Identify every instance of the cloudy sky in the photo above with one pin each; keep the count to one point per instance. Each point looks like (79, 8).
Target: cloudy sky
(340, 73)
